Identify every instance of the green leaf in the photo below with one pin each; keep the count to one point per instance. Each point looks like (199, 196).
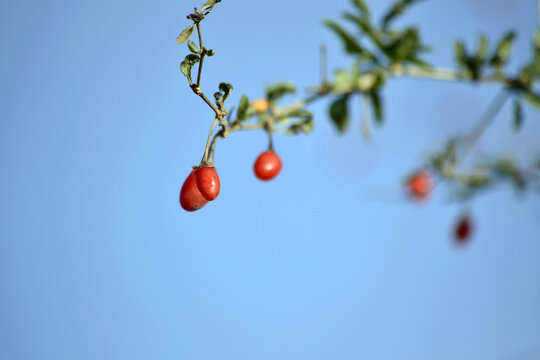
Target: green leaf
(460, 53)
(242, 113)
(226, 89)
(339, 113)
(278, 90)
(405, 46)
(185, 68)
(483, 48)
(532, 99)
(503, 49)
(305, 125)
(230, 114)
(209, 5)
(532, 70)
(397, 9)
(192, 59)
(185, 34)
(193, 47)
(187, 65)
(363, 24)
(518, 115)
(362, 7)
(376, 103)
(351, 44)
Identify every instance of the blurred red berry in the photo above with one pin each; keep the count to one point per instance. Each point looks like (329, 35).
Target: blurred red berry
(420, 184)
(267, 166)
(463, 230)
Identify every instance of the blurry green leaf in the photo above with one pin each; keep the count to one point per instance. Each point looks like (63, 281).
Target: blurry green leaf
(352, 46)
(366, 28)
(230, 114)
(459, 52)
(397, 9)
(209, 5)
(471, 64)
(532, 70)
(476, 181)
(536, 40)
(193, 47)
(244, 112)
(211, 52)
(185, 34)
(278, 90)
(226, 89)
(405, 46)
(506, 168)
(470, 185)
(503, 49)
(532, 99)
(305, 125)
(518, 115)
(339, 113)
(362, 7)
(483, 48)
(376, 104)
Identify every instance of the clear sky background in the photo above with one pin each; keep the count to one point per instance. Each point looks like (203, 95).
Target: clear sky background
(98, 131)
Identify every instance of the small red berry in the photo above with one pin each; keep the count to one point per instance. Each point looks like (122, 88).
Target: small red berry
(267, 166)
(191, 198)
(463, 230)
(208, 182)
(420, 184)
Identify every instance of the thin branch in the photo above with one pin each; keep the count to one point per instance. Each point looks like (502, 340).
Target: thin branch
(324, 66)
(224, 132)
(200, 93)
(364, 106)
(444, 74)
(486, 120)
(202, 52)
(301, 103)
(204, 161)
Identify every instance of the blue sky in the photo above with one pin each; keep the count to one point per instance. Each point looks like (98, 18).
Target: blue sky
(98, 131)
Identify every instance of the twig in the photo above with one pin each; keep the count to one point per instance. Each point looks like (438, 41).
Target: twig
(483, 124)
(324, 66)
(202, 52)
(444, 74)
(204, 161)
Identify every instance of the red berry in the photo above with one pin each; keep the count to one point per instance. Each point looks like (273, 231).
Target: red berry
(267, 166)
(208, 182)
(420, 185)
(191, 198)
(463, 230)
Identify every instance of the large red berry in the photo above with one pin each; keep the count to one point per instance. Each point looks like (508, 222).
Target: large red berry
(420, 184)
(463, 230)
(267, 166)
(191, 198)
(208, 182)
